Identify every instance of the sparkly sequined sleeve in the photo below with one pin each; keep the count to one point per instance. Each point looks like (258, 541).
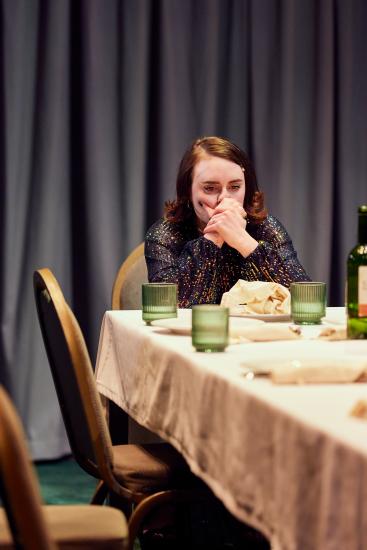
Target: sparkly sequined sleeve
(178, 254)
(174, 256)
(275, 259)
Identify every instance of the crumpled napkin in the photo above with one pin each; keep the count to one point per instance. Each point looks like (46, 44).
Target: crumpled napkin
(257, 297)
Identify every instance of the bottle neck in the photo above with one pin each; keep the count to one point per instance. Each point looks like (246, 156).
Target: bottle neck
(362, 228)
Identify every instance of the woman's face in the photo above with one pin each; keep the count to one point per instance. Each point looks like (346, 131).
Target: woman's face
(214, 179)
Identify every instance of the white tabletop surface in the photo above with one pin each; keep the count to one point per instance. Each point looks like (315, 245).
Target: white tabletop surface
(288, 459)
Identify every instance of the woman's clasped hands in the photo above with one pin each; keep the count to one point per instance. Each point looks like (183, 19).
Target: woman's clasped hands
(227, 223)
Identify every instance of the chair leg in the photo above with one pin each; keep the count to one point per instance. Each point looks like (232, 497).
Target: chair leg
(100, 493)
(116, 501)
(147, 505)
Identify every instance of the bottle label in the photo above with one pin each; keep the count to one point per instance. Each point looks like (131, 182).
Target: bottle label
(362, 291)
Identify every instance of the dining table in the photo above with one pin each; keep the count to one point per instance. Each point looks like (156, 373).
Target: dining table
(290, 459)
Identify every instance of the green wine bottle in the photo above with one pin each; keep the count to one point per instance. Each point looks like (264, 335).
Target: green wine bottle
(357, 281)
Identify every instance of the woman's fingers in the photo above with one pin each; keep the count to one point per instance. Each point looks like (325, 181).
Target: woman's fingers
(214, 237)
(208, 210)
(228, 225)
(227, 216)
(231, 205)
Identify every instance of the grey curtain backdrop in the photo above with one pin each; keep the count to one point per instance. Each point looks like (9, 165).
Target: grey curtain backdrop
(98, 101)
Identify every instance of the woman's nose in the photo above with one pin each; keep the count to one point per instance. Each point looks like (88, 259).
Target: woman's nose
(222, 195)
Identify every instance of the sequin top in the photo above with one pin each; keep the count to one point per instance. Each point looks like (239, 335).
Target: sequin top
(178, 253)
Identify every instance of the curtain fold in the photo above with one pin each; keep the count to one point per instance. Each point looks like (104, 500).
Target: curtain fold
(99, 100)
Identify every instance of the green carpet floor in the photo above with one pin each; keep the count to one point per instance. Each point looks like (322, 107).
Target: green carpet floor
(199, 527)
(64, 482)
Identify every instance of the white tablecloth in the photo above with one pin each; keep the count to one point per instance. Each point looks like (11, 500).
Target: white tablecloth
(289, 460)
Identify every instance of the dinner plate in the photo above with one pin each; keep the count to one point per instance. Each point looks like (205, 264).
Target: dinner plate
(182, 323)
(176, 325)
(267, 317)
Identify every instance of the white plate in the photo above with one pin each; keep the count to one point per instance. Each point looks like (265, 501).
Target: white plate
(174, 325)
(177, 325)
(267, 317)
(182, 323)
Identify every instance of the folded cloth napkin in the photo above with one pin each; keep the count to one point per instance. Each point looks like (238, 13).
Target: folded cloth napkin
(313, 371)
(257, 297)
(264, 332)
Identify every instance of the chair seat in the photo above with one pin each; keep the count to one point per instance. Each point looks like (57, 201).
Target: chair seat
(77, 527)
(151, 467)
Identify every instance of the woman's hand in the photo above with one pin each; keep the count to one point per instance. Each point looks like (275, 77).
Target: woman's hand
(212, 235)
(228, 220)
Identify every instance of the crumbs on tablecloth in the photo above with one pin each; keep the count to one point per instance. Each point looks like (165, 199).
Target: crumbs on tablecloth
(360, 409)
(331, 333)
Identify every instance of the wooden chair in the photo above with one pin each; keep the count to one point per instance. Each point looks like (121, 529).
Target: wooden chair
(136, 476)
(126, 294)
(126, 291)
(25, 523)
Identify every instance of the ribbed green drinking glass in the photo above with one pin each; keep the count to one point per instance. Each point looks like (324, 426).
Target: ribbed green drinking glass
(159, 301)
(308, 302)
(210, 328)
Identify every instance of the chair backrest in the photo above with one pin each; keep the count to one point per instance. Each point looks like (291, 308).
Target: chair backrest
(126, 291)
(19, 487)
(73, 377)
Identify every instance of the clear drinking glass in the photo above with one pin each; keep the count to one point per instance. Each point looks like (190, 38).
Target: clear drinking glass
(308, 302)
(159, 301)
(210, 328)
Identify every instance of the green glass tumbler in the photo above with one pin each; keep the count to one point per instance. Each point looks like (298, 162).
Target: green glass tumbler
(308, 302)
(159, 301)
(210, 328)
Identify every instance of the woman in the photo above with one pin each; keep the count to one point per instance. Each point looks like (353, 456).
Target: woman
(217, 230)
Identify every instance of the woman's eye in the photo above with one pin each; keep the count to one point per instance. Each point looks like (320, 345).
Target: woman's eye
(235, 187)
(209, 188)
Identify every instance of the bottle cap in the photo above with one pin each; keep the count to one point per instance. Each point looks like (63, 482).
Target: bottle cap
(362, 209)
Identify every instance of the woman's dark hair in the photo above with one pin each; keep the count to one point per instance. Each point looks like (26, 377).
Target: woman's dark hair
(181, 209)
